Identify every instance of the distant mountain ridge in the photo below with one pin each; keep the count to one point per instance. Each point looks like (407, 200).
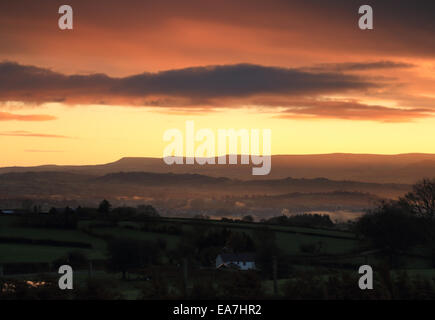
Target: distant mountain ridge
(402, 168)
(65, 184)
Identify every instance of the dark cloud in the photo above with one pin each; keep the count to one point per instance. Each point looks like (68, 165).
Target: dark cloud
(402, 27)
(359, 66)
(351, 110)
(190, 86)
(238, 81)
(33, 84)
(203, 89)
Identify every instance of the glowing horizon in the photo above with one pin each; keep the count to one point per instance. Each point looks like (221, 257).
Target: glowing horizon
(105, 91)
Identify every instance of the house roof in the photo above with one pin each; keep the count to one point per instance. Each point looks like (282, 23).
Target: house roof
(230, 265)
(7, 211)
(228, 257)
(12, 211)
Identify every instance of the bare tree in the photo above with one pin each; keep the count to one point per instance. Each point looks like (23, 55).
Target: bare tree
(421, 200)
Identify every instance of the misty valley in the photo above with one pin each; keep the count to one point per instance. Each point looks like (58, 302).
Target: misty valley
(157, 234)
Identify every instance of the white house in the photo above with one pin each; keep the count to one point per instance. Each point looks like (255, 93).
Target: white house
(10, 211)
(242, 261)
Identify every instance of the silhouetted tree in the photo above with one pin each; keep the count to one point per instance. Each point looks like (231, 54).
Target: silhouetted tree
(147, 210)
(306, 220)
(125, 212)
(104, 206)
(125, 254)
(240, 242)
(421, 200)
(266, 249)
(394, 228)
(248, 219)
(27, 205)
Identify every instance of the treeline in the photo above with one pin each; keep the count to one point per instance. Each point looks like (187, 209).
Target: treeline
(396, 226)
(302, 220)
(65, 220)
(68, 218)
(46, 242)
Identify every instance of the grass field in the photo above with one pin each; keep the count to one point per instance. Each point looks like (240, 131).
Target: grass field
(20, 253)
(340, 251)
(171, 241)
(13, 253)
(289, 239)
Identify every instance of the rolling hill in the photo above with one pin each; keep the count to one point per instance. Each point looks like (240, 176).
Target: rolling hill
(403, 168)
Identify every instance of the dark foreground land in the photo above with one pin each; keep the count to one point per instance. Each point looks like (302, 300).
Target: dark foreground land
(127, 253)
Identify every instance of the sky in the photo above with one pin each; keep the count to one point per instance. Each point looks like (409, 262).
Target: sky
(130, 70)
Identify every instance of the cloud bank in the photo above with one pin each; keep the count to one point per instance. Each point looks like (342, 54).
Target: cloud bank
(299, 91)
(196, 85)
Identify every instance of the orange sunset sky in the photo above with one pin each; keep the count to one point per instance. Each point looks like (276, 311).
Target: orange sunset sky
(129, 70)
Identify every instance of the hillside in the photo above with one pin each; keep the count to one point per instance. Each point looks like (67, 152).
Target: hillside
(403, 168)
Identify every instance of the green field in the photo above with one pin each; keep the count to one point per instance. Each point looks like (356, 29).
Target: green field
(289, 239)
(120, 232)
(20, 253)
(337, 247)
(14, 253)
